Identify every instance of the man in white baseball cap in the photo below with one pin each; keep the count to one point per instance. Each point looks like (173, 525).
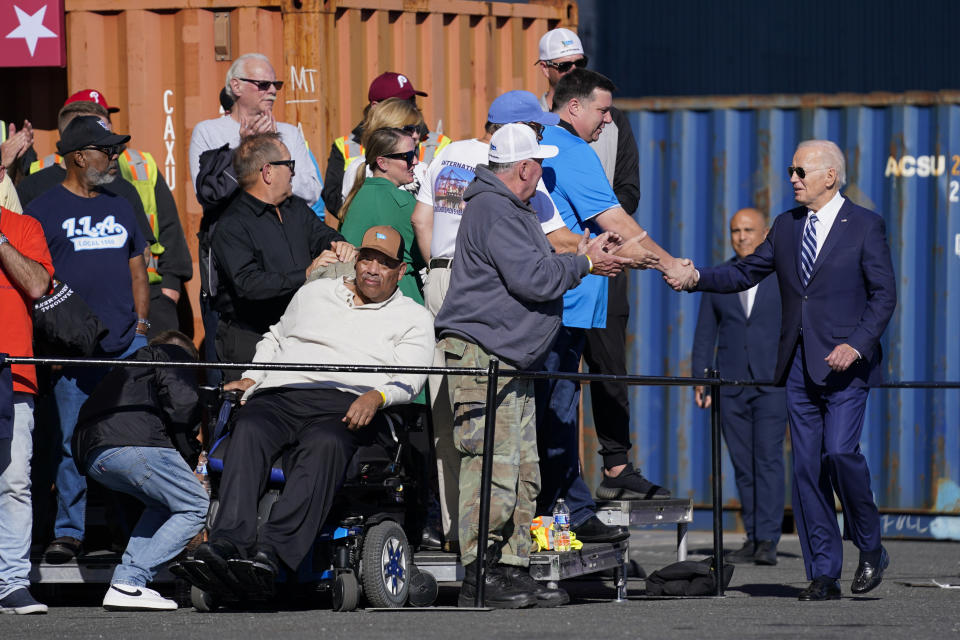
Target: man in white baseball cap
(605, 350)
(505, 301)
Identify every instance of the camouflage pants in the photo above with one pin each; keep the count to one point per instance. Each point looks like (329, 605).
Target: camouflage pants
(516, 466)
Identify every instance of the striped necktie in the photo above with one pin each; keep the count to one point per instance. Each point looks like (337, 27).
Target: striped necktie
(808, 250)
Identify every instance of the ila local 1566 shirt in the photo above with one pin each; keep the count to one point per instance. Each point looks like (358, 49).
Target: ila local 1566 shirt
(91, 241)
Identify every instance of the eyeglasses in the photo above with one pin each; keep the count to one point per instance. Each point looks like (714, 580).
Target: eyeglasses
(406, 156)
(113, 150)
(263, 85)
(563, 67)
(289, 164)
(801, 172)
(537, 128)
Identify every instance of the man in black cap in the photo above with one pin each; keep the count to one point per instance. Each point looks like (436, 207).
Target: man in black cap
(97, 248)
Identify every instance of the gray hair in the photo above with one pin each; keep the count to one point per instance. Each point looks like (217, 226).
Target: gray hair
(831, 154)
(501, 167)
(237, 69)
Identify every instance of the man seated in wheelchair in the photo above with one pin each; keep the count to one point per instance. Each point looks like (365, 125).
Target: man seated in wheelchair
(316, 420)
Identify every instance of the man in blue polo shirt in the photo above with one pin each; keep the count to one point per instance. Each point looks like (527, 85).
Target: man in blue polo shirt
(97, 249)
(579, 187)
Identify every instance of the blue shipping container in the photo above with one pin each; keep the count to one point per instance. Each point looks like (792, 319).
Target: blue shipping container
(698, 165)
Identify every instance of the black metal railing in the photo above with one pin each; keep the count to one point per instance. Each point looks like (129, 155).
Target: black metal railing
(493, 373)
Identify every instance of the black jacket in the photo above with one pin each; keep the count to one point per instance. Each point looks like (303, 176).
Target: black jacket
(261, 261)
(333, 179)
(141, 406)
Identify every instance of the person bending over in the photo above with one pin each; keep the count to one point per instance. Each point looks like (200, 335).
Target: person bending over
(137, 434)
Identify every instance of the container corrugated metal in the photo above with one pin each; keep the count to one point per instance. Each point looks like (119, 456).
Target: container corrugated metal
(704, 47)
(700, 161)
(159, 62)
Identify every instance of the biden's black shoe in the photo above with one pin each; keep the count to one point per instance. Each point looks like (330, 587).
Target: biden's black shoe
(821, 588)
(870, 572)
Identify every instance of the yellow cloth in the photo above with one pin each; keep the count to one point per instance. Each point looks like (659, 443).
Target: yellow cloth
(8, 195)
(540, 532)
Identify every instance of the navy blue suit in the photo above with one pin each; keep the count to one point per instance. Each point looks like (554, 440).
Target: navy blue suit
(753, 419)
(849, 299)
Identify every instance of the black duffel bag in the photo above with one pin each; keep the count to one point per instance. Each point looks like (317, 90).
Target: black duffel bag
(64, 325)
(687, 578)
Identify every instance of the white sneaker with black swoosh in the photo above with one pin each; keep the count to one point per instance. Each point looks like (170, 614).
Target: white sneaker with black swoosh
(124, 597)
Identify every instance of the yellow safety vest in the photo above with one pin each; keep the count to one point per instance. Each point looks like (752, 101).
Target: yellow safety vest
(350, 148)
(140, 169)
(43, 163)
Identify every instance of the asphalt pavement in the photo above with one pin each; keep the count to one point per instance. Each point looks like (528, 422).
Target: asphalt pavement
(761, 602)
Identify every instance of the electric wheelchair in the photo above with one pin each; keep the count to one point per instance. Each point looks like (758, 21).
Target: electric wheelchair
(362, 549)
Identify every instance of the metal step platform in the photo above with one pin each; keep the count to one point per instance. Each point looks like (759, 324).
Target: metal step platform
(553, 566)
(91, 568)
(629, 513)
(443, 566)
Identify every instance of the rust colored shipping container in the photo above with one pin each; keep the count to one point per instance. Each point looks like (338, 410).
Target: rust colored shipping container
(163, 62)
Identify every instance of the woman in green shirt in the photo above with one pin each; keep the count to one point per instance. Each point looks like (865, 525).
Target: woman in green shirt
(391, 156)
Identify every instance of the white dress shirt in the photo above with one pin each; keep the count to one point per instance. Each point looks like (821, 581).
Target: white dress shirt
(825, 219)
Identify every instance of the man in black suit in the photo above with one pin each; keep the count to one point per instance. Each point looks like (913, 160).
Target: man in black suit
(742, 330)
(838, 292)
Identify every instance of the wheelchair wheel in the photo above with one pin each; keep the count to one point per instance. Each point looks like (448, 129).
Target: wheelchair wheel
(386, 556)
(346, 591)
(203, 601)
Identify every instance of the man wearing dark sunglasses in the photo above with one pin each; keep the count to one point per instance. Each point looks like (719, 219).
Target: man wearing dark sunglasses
(253, 86)
(838, 292)
(265, 243)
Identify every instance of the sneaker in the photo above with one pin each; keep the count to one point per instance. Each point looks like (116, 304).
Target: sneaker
(594, 530)
(21, 602)
(630, 485)
(125, 597)
(743, 555)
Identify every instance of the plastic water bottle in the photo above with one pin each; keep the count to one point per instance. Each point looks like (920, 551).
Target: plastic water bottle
(561, 526)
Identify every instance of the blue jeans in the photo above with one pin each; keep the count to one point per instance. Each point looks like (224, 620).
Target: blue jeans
(16, 512)
(175, 505)
(70, 391)
(558, 432)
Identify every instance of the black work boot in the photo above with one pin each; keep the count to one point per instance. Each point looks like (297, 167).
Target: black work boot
(546, 597)
(500, 592)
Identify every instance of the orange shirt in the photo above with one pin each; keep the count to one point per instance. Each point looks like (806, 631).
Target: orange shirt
(16, 321)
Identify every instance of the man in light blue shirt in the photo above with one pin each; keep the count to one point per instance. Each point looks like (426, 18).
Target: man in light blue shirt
(578, 185)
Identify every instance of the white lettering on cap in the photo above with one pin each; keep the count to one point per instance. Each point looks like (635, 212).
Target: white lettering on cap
(103, 124)
(95, 96)
(402, 80)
